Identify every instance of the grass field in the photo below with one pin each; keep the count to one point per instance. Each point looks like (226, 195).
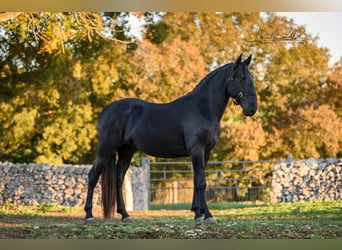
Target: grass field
(310, 220)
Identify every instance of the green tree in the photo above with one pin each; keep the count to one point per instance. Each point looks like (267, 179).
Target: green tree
(48, 97)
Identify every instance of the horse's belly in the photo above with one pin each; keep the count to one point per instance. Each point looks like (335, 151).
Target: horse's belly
(161, 146)
(166, 153)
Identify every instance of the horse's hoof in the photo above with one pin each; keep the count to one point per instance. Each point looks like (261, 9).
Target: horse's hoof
(127, 219)
(89, 221)
(199, 219)
(210, 220)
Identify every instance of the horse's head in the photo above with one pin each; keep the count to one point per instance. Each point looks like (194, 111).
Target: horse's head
(240, 86)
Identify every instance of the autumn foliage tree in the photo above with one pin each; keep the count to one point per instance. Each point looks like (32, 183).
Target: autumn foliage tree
(313, 132)
(58, 70)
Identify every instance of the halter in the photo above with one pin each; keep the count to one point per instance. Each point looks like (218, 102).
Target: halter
(236, 100)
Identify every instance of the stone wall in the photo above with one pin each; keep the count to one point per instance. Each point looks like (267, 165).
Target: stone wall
(307, 180)
(29, 184)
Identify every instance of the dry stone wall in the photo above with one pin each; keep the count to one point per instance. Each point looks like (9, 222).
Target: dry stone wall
(307, 180)
(29, 184)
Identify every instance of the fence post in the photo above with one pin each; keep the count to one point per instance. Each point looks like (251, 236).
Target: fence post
(145, 163)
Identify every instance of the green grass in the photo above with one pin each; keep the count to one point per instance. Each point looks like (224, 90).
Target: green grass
(214, 206)
(309, 220)
(231, 210)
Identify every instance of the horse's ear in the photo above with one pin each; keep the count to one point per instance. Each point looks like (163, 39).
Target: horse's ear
(248, 60)
(238, 61)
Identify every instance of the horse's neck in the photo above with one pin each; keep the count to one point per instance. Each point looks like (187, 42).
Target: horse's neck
(212, 93)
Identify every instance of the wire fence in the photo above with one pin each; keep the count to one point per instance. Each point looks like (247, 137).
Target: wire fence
(172, 182)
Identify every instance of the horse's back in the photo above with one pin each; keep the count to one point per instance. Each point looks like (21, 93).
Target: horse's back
(142, 109)
(118, 109)
(155, 129)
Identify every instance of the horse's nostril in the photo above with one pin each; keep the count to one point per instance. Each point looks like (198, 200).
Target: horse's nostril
(250, 111)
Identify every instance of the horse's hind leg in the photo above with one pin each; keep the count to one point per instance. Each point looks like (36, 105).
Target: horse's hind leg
(93, 177)
(125, 153)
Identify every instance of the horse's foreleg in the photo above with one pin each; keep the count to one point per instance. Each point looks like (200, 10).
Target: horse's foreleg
(199, 203)
(125, 155)
(207, 215)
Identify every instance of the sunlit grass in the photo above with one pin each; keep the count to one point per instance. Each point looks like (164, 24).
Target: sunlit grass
(314, 209)
(235, 220)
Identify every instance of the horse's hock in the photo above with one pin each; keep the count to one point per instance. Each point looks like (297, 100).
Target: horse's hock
(66, 185)
(307, 180)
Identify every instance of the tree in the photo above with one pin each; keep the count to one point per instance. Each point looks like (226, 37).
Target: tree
(165, 72)
(244, 141)
(314, 132)
(58, 70)
(330, 94)
(48, 96)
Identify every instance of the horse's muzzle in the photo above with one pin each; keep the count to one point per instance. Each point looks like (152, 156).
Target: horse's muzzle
(249, 110)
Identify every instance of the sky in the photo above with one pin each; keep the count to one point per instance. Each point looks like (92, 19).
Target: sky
(327, 25)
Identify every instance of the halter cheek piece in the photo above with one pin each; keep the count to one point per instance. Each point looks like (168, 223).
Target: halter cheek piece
(236, 100)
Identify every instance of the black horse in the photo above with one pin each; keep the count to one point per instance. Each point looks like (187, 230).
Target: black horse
(188, 126)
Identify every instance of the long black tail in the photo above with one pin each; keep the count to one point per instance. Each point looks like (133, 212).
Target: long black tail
(108, 181)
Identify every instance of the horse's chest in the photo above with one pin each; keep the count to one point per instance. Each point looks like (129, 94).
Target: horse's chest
(205, 134)
(215, 134)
